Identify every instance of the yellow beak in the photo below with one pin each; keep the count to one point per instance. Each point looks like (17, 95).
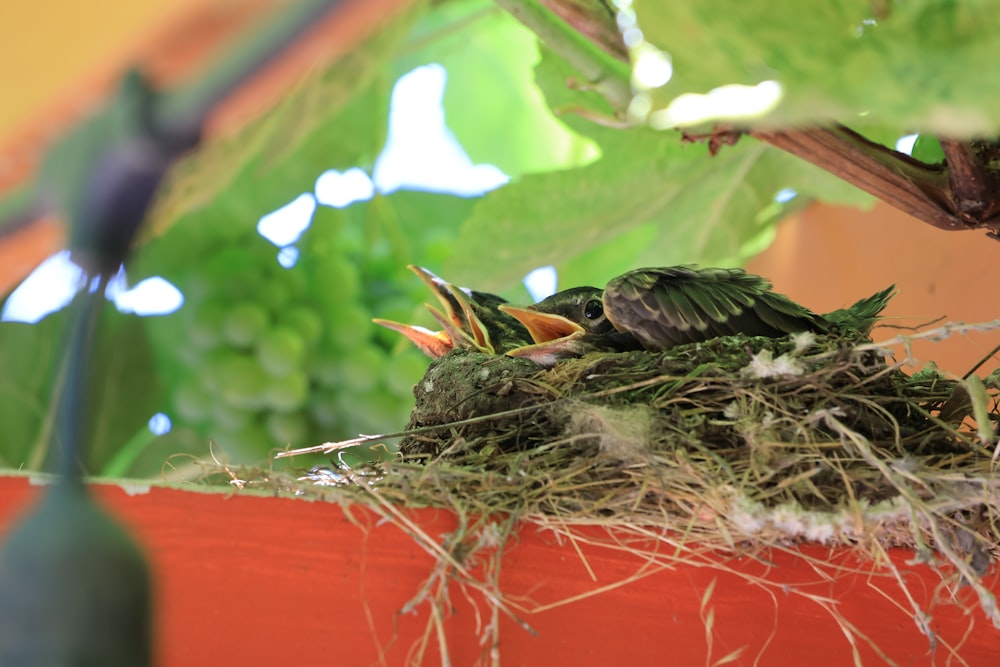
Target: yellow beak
(543, 327)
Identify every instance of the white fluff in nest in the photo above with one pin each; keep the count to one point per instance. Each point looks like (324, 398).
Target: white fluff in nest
(803, 341)
(764, 365)
(622, 433)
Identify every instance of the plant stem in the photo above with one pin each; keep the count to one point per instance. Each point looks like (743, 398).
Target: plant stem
(974, 185)
(927, 192)
(607, 75)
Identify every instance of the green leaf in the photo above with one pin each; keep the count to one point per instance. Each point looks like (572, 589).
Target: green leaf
(29, 357)
(336, 119)
(424, 223)
(582, 109)
(122, 393)
(126, 390)
(918, 64)
(701, 209)
(490, 101)
(927, 149)
(548, 218)
(650, 200)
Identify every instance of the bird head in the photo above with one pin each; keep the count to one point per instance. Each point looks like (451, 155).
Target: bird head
(579, 309)
(567, 324)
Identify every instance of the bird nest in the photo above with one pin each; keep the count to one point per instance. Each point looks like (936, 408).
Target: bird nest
(733, 445)
(733, 439)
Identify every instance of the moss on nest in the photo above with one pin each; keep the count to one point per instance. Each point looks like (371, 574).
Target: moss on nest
(722, 430)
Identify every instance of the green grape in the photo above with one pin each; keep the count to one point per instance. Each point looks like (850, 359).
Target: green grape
(273, 295)
(247, 445)
(205, 322)
(337, 278)
(388, 411)
(348, 326)
(229, 273)
(293, 278)
(288, 393)
(327, 368)
(276, 357)
(406, 369)
(374, 412)
(213, 374)
(287, 429)
(227, 417)
(280, 351)
(305, 322)
(244, 323)
(242, 382)
(363, 369)
(192, 402)
(190, 355)
(324, 409)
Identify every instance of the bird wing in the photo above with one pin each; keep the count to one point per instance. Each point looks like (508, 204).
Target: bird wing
(670, 306)
(862, 315)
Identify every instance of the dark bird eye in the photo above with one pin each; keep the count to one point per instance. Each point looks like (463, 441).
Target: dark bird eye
(593, 310)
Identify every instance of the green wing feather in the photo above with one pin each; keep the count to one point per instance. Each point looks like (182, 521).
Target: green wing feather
(663, 307)
(861, 316)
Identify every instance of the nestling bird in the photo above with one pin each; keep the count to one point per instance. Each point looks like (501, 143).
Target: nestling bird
(470, 320)
(658, 308)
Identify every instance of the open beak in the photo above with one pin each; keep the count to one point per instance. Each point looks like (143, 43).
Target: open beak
(543, 327)
(555, 336)
(458, 319)
(549, 352)
(444, 292)
(435, 344)
(460, 326)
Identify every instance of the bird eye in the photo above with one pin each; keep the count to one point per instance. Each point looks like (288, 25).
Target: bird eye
(593, 309)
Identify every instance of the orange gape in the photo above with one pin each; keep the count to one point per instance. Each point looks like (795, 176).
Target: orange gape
(469, 320)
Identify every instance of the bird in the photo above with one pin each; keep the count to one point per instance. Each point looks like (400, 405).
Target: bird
(469, 319)
(657, 308)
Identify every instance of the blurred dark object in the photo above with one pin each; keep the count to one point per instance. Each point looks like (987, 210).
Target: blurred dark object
(74, 587)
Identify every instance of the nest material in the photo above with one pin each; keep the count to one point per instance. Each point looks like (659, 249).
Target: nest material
(805, 438)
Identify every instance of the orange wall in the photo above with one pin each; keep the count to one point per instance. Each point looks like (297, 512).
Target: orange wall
(829, 256)
(51, 54)
(48, 44)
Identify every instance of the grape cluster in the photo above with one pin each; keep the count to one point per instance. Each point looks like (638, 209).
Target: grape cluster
(273, 357)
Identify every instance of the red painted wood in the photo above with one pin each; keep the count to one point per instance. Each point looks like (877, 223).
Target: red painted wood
(250, 580)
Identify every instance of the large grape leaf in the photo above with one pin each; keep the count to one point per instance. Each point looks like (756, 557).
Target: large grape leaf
(703, 209)
(548, 218)
(921, 64)
(126, 390)
(553, 74)
(29, 356)
(491, 104)
(335, 119)
(591, 222)
(121, 394)
(352, 137)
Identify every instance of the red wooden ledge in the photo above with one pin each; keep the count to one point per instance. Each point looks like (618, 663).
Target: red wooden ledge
(243, 579)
